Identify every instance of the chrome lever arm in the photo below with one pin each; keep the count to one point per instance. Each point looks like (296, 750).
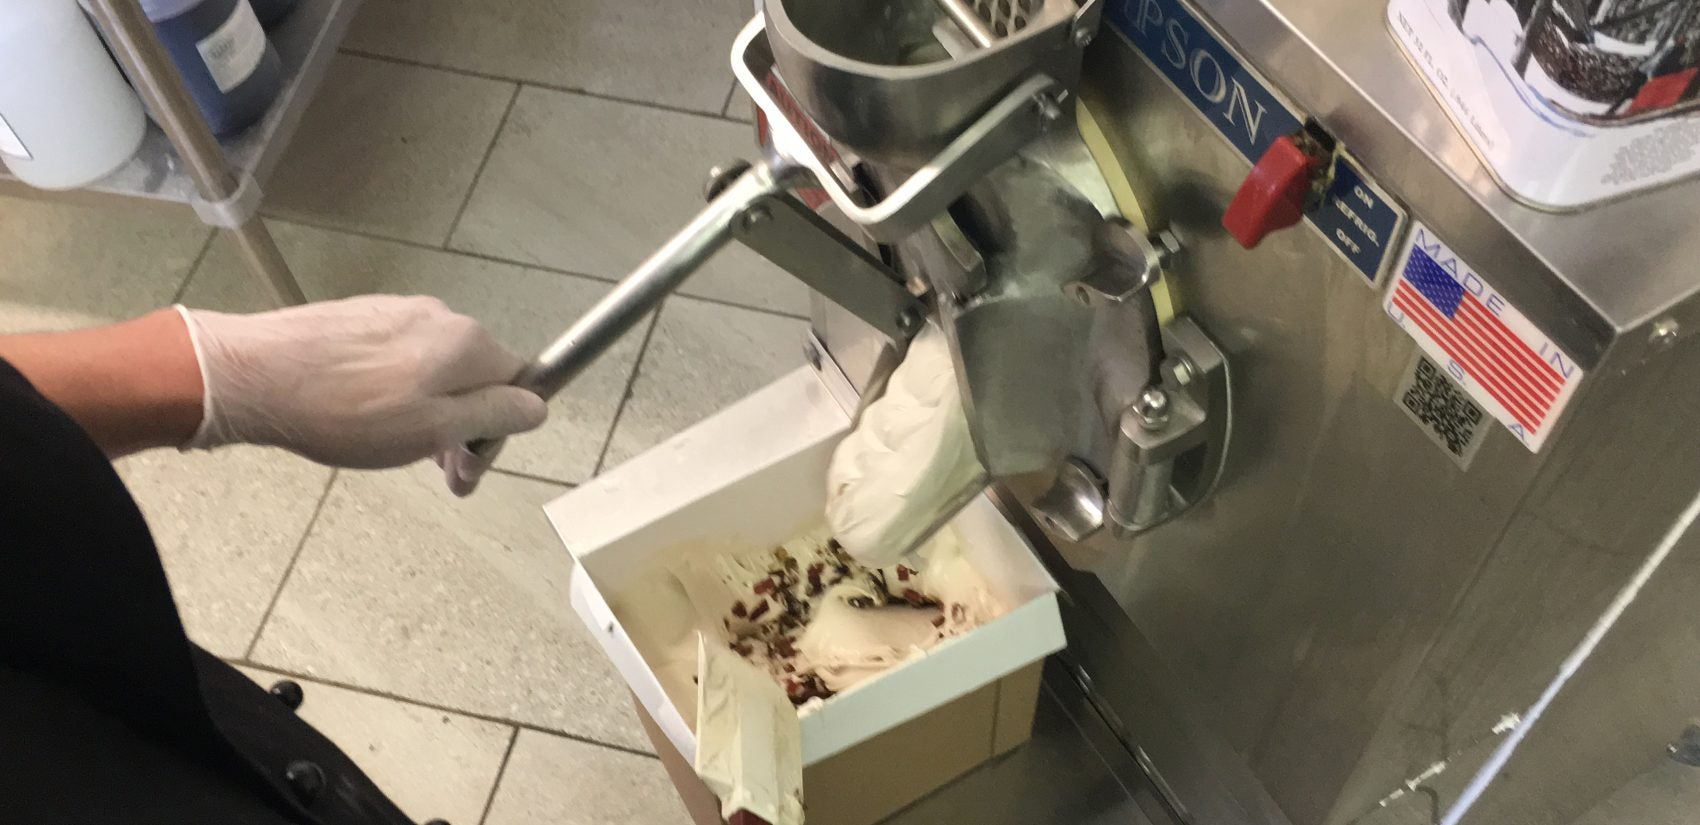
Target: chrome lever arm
(643, 290)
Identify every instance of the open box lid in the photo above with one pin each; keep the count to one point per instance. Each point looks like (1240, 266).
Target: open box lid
(754, 475)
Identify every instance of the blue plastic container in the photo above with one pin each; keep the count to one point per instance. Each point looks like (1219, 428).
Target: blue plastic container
(223, 54)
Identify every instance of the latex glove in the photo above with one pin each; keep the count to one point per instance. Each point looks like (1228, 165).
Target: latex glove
(367, 382)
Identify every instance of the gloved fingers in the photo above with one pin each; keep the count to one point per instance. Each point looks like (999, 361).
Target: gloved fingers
(462, 470)
(466, 356)
(489, 413)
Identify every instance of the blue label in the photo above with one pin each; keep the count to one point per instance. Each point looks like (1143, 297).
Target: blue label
(1355, 217)
(1207, 72)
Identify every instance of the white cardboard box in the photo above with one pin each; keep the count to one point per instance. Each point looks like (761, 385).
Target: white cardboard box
(754, 475)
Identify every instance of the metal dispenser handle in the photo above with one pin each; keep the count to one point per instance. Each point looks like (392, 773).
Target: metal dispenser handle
(750, 207)
(653, 280)
(748, 203)
(643, 290)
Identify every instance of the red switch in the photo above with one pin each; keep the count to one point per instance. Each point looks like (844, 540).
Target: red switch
(1273, 195)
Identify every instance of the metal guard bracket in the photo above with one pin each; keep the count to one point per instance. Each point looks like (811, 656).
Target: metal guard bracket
(785, 231)
(1004, 128)
(1154, 475)
(1197, 372)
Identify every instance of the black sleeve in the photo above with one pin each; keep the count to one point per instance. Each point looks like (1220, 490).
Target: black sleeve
(108, 713)
(83, 597)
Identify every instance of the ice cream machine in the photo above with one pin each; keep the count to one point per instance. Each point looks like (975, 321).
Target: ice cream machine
(1337, 448)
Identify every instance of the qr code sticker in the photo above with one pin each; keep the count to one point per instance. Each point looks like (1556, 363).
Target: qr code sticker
(1444, 410)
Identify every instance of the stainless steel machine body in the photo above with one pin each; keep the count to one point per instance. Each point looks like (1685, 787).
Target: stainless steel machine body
(1343, 630)
(1293, 594)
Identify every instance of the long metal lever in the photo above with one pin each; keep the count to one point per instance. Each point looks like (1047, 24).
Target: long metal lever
(643, 290)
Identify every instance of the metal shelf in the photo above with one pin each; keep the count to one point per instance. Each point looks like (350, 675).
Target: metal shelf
(306, 41)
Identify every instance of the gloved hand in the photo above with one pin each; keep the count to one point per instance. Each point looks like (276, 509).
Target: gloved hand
(367, 382)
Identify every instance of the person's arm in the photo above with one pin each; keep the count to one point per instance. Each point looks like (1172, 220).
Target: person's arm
(131, 385)
(367, 382)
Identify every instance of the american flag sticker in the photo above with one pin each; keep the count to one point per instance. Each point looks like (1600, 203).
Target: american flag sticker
(1487, 346)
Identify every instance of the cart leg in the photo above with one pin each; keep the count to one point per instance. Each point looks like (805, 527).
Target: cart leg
(255, 242)
(138, 49)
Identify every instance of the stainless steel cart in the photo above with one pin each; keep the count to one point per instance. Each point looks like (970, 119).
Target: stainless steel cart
(181, 163)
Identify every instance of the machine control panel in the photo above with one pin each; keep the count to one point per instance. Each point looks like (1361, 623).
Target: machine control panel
(1359, 220)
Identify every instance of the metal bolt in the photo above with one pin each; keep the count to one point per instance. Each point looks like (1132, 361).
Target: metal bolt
(1664, 333)
(1047, 108)
(1168, 245)
(908, 321)
(754, 216)
(1152, 407)
(1181, 370)
(1083, 37)
(722, 176)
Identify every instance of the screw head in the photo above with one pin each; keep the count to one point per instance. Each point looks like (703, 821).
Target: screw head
(1081, 293)
(288, 692)
(1152, 407)
(755, 216)
(305, 779)
(1047, 108)
(1083, 37)
(1168, 245)
(908, 321)
(1664, 333)
(722, 176)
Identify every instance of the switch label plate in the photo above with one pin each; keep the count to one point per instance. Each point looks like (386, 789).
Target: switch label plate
(1356, 217)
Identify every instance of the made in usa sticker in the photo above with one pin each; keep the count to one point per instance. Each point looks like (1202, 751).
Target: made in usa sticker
(1489, 348)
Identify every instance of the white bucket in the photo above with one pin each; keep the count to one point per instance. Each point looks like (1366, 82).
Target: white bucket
(67, 118)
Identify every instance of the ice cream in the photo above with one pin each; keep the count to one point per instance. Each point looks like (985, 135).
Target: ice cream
(910, 462)
(820, 623)
(815, 620)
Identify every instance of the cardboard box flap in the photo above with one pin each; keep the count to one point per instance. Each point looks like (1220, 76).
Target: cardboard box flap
(957, 666)
(657, 497)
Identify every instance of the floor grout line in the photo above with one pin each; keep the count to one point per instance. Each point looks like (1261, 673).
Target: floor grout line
(194, 267)
(532, 477)
(726, 108)
(496, 259)
(631, 381)
(553, 87)
(482, 162)
(289, 569)
(248, 661)
(501, 770)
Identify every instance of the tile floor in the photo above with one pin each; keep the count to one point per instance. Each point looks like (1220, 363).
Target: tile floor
(510, 159)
